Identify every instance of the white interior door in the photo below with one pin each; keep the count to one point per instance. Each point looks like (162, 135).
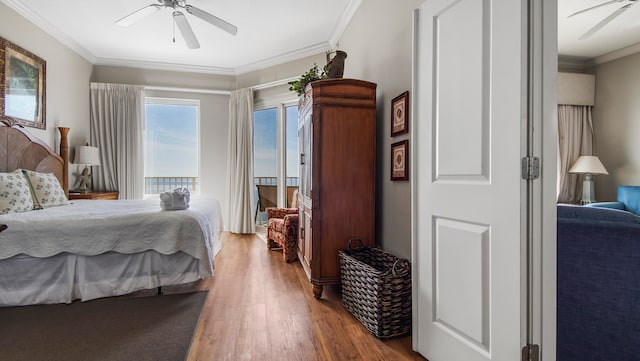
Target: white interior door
(469, 130)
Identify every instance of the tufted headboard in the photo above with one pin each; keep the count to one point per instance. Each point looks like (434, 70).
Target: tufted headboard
(19, 149)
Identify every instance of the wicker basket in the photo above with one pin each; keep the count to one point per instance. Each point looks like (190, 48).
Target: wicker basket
(376, 289)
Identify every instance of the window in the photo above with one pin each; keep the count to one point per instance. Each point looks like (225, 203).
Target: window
(171, 158)
(275, 157)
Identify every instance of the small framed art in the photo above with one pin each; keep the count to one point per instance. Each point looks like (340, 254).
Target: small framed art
(400, 161)
(400, 114)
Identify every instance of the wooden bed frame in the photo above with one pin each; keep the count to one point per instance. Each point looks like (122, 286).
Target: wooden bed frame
(21, 150)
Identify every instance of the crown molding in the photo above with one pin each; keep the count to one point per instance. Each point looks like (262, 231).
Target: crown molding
(349, 11)
(315, 49)
(262, 64)
(51, 30)
(138, 64)
(632, 49)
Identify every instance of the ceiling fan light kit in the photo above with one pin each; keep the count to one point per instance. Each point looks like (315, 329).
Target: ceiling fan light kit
(176, 7)
(608, 19)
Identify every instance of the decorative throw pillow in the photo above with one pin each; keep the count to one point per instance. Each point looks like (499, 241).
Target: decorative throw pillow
(15, 195)
(46, 189)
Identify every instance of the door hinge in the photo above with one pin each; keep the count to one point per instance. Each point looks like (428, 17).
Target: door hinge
(531, 353)
(530, 168)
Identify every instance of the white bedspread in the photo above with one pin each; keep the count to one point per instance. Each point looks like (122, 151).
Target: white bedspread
(92, 227)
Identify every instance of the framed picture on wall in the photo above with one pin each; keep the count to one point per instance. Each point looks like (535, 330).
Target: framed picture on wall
(400, 114)
(400, 161)
(22, 85)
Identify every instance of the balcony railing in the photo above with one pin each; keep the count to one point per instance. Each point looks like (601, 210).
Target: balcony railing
(157, 185)
(271, 181)
(261, 218)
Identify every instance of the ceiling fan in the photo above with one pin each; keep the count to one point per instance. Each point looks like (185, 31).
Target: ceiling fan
(627, 4)
(177, 7)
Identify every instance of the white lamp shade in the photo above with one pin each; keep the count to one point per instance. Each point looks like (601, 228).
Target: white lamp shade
(87, 155)
(588, 164)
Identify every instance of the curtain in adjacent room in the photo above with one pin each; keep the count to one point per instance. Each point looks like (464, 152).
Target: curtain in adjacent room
(240, 162)
(117, 129)
(575, 138)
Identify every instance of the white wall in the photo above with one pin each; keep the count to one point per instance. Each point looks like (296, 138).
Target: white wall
(67, 83)
(378, 44)
(616, 118)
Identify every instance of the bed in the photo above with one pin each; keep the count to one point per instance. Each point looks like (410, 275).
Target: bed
(89, 249)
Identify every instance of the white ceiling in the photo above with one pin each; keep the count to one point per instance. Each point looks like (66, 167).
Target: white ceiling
(269, 32)
(622, 32)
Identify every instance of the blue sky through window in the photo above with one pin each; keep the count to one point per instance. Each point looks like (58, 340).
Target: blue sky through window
(264, 142)
(265, 138)
(171, 137)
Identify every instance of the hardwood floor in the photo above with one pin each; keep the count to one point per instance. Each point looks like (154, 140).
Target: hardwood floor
(261, 308)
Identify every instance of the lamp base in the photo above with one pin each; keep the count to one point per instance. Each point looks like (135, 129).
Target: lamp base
(588, 190)
(83, 182)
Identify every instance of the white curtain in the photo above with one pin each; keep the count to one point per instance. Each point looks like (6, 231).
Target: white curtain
(117, 129)
(575, 138)
(240, 162)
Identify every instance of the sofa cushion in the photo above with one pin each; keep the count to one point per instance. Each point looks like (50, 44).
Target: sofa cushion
(597, 214)
(614, 205)
(630, 196)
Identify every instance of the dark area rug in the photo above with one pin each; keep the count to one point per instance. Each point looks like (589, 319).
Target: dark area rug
(150, 328)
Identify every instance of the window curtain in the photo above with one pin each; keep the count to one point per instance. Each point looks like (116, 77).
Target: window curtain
(240, 162)
(575, 138)
(117, 129)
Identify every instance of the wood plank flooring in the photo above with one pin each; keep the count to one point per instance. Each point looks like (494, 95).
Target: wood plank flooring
(261, 308)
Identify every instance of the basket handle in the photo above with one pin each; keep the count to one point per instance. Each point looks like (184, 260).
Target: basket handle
(355, 239)
(393, 268)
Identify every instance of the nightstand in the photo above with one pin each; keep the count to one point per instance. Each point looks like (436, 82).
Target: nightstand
(94, 195)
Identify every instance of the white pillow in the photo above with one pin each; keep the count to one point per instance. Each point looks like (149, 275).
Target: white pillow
(15, 195)
(46, 189)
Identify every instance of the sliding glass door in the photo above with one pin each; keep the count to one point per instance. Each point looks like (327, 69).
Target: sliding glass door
(275, 158)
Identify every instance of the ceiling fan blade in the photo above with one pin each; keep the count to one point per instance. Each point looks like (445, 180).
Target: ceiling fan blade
(138, 15)
(606, 21)
(185, 29)
(595, 7)
(213, 20)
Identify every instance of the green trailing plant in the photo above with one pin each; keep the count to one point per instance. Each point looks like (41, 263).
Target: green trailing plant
(311, 75)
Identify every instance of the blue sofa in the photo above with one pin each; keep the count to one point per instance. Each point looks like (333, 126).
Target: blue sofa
(598, 289)
(628, 200)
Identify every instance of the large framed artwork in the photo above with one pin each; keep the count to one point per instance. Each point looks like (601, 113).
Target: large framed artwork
(400, 114)
(22, 85)
(400, 161)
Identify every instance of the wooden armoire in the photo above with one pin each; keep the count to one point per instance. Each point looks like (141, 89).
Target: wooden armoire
(337, 143)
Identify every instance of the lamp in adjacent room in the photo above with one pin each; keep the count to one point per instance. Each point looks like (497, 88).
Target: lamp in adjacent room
(589, 165)
(87, 156)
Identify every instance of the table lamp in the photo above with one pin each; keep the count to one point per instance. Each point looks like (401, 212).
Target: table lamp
(88, 156)
(588, 165)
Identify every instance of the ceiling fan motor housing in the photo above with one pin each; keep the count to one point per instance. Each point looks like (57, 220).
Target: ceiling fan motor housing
(180, 19)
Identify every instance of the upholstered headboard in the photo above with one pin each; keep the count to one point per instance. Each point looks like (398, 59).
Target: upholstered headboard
(19, 149)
